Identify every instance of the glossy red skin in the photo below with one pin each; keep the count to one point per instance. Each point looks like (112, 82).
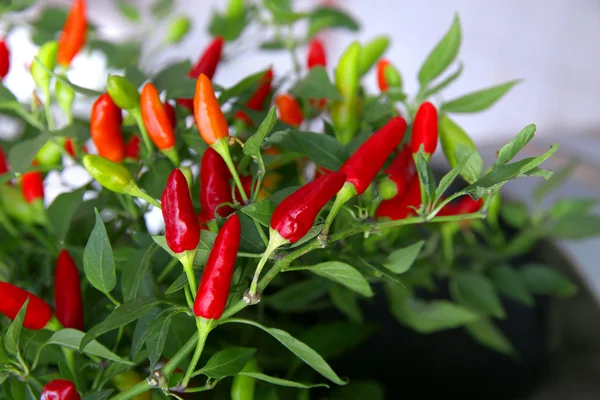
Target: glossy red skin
(69, 147)
(12, 299)
(74, 33)
(156, 120)
(296, 214)
(400, 207)
(182, 229)
(425, 129)
(4, 59)
(290, 111)
(60, 389)
(381, 81)
(257, 101)
(367, 160)
(316, 54)
(247, 185)
(464, 205)
(216, 279)
(209, 60)
(32, 186)
(187, 103)
(214, 185)
(68, 305)
(401, 170)
(171, 113)
(4, 167)
(132, 148)
(105, 129)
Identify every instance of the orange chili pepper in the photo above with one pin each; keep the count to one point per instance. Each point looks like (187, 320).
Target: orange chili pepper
(207, 111)
(289, 110)
(155, 118)
(105, 127)
(74, 33)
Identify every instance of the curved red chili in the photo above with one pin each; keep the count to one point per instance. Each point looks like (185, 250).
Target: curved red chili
(464, 205)
(381, 80)
(425, 129)
(38, 311)
(257, 101)
(60, 389)
(70, 147)
(296, 214)
(68, 305)
(105, 129)
(4, 59)
(155, 118)
(132, 148)
(401, 170)
(171, 113)
(182, 230)
(290, 111)
(367, 160)
(316, 54)
(216, 279)
(214, 185)
(401, 206)
(74, 33)
(32, 186)
(209, 60)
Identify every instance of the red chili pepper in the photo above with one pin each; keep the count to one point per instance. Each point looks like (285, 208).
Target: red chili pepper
(290, 111)
(38, 311)
(464, 205)
(4, 59)
(4, 167)
(401, 206)
(132, 148)
(70, 147)
(214, 185)
(367, 160)
(60, 389)
(402, 170)
(182, 230)
(155, 118)
(68, 305)
(247, 185)
(32, 186)
(171, 113)
(207, 112)
(216, 279)
(425, 129)
(296, 214)
(381, 81)
(257, 100)
(74, 33)
(316, 54)
(105, 127)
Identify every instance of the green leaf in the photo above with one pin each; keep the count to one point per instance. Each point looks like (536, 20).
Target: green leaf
(512, 148)
(324, 150)
(11, 338)
(479, 100)
(250, 240)
(98, 260)
(192, 138)
(343, 274)
(316, 85)
(281, 382)
(129, 11)
(260, 211)
(126, 313)
(541, 279)
(445, 83)
(282, 12)
(62, 210)
(275, 44)
(297, 297)
(509, 284)
(476, 292)
(227, 362)
(177, 284)
(101, 395)
(334, 339)
(156, 335)
(328, 17)
(442, 55)
(564, 208)
(162, 8)
(557, 179)
(346, 301)
(140, 331)
(359, 390)
(134, 274)
(206, 242)
(487, 334)
(469, 166)
(240, 88)
(576, 226)
(135, 76)
(515, 214)
(301, 350)
(425, 176)
(399, 261)
(226, 27)
(4, 358)
(174, 79)
(252, 145)
(21, 155)
(7, 98)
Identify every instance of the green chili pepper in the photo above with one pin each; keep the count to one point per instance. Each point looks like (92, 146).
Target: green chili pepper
(371, 52)
(122, 92)
(451, 135)
(392, 77)
(14, 205)
(242, 387)
(47, 57)
(178, 29)
(345, 114)
(50, 153)
(235, 9)
(64, 95)
(111, 175)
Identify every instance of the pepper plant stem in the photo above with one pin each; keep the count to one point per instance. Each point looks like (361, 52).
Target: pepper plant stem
(222, 147)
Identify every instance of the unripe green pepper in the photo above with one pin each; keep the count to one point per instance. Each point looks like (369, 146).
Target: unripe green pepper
(122, 92)
(50, 153)
(346, 120)
(451, 135)
(344, 114)
(14, 205)
(178, 29)
(371, 52)
(235, 9)
(111, 175)
(189, 177)
(64, 95)
(387, 188)
(127, 379)
(47, 57)
(242, 387)
(393, 77)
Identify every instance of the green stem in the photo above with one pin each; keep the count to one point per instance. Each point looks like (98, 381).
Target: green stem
(346, 193)
(133, 391)
(249, 255)
(47, 109)
(70, 360)
(261, 232)
(135, 191)
(119, 336)
(188, 297)
(137, 115)
(251, 296)
(113, 300)
(260, 176)
(174, 361)
(187, 260)
(222, 147)
(167, 269)
(204, 326)
(35, 383)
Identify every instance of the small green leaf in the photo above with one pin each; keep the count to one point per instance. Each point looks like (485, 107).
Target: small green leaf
(242, 87)
(177, 284)
(445, 83)
(316, 85)
(21, 155)
(301, 350)
(515, 214)
(162, 8)
(399, 261)
(227, 362)
(11, 338)
(541, 279)
(174, 79)
(327, 18)
(512, 148)
(297, 297)
(129, 11)
(425, 176)
(509, 284)
(260, 211)
(62, 210)
(281, 382)
(98, 260)
(442, 55)
(576, 226)
(487, 334)
(141, 329)
(334, 339)
(476, 292)
(479, 100)
(135, 76)
(134, 274)
(252, 145)
(564, 208)
(346, 301)
(343, 274)
(156, 335)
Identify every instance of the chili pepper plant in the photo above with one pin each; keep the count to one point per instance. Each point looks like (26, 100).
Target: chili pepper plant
(285, 194)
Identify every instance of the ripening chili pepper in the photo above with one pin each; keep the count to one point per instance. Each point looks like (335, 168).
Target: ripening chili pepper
(401, 206)
(182, 230)
(46, 60)
(296, 214)
(170, 114)
(70, 147)
(105, 127)
(257, 101)
(214, 185)
(60, 389)
(209, 60)
(4, 59)
(387, 75)
(316, 54)
(425, 129)
(371, 52)
(207, 112)
(157, 122)
(290, 111)
(400, 172)
(132, 148)
(74, 33)
(32, 186)
(4, 167)
(68, 305)
(38, 311)
(216, 279)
